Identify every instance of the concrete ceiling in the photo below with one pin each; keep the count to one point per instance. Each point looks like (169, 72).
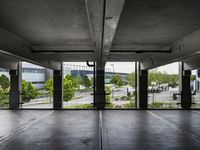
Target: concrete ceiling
(153, 32)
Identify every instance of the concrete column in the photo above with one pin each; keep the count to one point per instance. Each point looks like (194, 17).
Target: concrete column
(15, 87)
(184, 87)
(100, 90)
(136, 85)
(142, 88)
(58, 89)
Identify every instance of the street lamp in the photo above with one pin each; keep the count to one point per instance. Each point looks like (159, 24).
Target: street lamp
(113, 67)
(153, 90)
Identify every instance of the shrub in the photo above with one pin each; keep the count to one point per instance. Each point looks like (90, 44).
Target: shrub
(4, 97)
(130, 104)
(29, 91)
(70, 86)
(123, 97)
(108, 90)
(174, 96)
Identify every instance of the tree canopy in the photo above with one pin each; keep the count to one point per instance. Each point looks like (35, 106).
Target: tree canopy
(131, 79)
(4, 97)
(162, 78)
(29, 91)
(193, 77)
(70, 86)
(79, 79)
(4, 82)
(117, 80)
(49, 87)
(157, 77)
(86, 82)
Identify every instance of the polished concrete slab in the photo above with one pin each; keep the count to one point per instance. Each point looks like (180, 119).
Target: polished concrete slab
(151, 130)
(92, 129)
(56, 130)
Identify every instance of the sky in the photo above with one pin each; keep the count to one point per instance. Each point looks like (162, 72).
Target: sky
(128, 67)
(170, 68)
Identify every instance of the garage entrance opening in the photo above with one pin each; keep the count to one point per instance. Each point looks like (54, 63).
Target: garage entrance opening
(4, 87)
(78, 85)
(195, 88)
(36, 87)
(120, 85)
(163, 87)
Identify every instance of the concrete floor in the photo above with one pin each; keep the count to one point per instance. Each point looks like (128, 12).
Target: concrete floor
(91, 129)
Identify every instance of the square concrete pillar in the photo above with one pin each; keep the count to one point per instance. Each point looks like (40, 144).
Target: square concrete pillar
(142, 88)
(100, 95)
(15, 87)
(184, 87)
(57, 89)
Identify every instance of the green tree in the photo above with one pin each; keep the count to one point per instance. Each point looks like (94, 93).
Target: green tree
(131, 79)
(117, 80)
(154, 76)
(162, 77)
(4, 97)
(173, 80)
(4, 82)
(79, 80)
(49, 87)
(193, 77)
(70, 86)
(29, 91)
(86, 82)
(92, 81)
(108, 90)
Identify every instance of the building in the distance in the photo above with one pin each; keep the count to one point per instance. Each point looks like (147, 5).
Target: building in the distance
(32, 73)
(39, 75)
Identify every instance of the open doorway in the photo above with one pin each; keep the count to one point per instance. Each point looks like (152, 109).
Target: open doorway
(120, 85)
(4, 87)
(78, 88)
(163, 87)
(37, 86)
(195, 88)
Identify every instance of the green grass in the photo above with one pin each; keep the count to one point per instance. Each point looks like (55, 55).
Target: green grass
(80, 106)
(163, 105)
(130, 104)
(85, 90)
(196, 105)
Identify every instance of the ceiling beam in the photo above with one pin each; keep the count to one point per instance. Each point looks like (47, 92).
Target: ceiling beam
(103, 18)
(8, 62)
(95, 13)
(141, 46)
(192, 62)
(63, 51)
(186, 47)
(125, 57)
(14, 46)
(139, 51)
(113, 12)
